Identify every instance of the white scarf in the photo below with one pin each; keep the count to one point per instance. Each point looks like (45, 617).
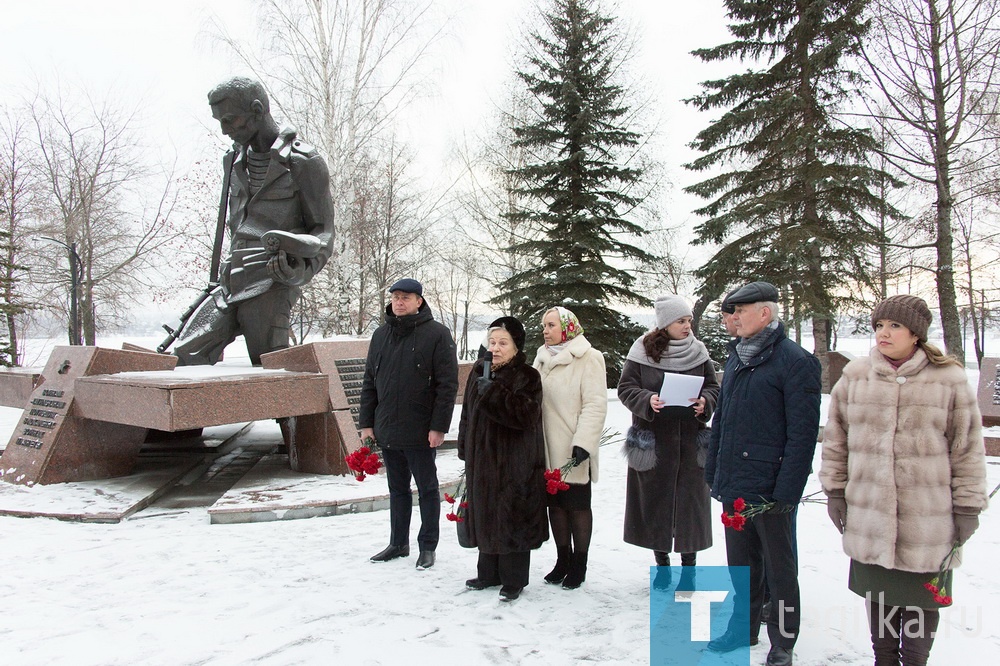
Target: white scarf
(680, 355)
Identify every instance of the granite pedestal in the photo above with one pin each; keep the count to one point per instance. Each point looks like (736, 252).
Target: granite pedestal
(989, 400)
(55, 442)
(318, 442)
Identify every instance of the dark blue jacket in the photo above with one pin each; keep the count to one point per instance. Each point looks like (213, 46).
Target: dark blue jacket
(766, 424)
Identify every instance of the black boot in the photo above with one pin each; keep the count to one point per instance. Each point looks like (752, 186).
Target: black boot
(664, 576)
(577, 571)
(687, 572)
(561, 568)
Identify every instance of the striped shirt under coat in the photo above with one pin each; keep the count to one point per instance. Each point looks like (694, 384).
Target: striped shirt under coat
(906, 448)
(574, 405)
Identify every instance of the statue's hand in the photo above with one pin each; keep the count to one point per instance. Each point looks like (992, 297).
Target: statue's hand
(287, 269)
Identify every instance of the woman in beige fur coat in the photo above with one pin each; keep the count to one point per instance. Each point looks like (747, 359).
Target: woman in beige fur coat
(574, 406)
(904, 470)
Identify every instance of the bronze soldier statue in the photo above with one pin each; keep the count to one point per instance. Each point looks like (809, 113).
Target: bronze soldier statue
(277, 205)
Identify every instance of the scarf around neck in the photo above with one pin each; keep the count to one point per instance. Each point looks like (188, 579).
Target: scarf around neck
(679, 356)
(750, 347)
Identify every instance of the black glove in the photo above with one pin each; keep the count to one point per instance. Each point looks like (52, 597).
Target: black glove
(482, 384)
(781, 507)
(964, 527)
(580, 454)
(837, 508)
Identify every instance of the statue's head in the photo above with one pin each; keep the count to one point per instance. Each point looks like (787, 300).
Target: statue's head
(242, 108)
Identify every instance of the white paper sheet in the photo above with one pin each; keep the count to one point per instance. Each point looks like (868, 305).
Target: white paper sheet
(680, 390)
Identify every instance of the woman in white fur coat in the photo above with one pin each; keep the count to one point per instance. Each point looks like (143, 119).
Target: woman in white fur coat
(574, 407)
(904, 470)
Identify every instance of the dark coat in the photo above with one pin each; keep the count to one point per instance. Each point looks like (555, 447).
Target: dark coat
(668, 508)
(766, 426)
(500, 440)
(410, 382)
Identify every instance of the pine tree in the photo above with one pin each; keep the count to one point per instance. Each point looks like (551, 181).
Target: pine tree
(577, 186)
(795, 185)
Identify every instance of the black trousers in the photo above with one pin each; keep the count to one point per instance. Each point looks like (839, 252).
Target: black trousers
(400, 466)
(766, 545)
(511, 569)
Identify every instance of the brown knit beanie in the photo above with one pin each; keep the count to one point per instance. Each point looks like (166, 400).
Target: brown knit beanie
(910, 311)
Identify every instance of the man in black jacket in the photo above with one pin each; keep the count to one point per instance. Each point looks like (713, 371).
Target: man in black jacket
(407, 398)
(763, 439)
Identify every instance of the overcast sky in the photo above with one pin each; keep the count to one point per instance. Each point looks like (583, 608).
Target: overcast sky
(161, 52)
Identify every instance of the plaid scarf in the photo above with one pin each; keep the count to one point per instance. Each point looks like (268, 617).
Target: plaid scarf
(750, 347)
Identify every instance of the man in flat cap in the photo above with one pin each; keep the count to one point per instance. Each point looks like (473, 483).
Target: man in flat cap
(763, 438)
(728, 310)
(407, 398)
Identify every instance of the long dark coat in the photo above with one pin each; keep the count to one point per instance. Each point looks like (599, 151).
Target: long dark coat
(500, 440)
(668, 508)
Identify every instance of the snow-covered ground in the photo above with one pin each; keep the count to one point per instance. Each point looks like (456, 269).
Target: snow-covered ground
(167, 587)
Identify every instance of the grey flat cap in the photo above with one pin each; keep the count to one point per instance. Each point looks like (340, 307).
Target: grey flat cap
(755, 292)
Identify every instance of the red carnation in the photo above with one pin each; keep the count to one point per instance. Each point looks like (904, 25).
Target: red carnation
(938, 585)
(554, 477)
(739, 504)
(363, 462)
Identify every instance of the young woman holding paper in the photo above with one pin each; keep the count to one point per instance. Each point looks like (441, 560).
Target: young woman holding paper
(667, 503)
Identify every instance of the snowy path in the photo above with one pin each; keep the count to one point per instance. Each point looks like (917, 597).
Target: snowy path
(169, 588)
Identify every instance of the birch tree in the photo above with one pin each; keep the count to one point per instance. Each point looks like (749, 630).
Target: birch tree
(935, 63)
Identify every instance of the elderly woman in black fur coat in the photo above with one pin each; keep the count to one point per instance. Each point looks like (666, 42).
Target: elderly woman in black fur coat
(500, 440)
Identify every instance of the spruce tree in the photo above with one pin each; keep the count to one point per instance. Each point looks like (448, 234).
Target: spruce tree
(576, 188)
(788, 203)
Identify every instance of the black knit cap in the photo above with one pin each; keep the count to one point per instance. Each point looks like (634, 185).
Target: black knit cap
(512, 326)
(910, 311)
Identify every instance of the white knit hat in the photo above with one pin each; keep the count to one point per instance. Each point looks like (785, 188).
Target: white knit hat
(669, 309)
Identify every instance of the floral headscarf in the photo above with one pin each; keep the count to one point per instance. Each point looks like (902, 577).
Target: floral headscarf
(568, 324)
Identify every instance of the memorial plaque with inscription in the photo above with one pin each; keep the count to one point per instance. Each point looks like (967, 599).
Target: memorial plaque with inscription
(318, 443)
(54, 443)
(351, 372)
(989, 401)
(989, 391)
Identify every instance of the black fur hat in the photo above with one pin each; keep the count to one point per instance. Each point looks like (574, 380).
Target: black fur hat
(512, 326)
